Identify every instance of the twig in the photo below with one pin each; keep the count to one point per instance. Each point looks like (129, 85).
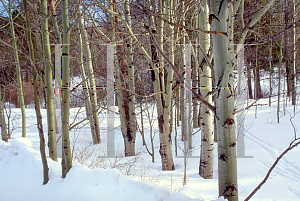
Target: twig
(291, 146)
(181, 81)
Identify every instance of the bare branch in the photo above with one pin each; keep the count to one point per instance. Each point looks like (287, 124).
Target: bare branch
(291, 146)
(181, 81)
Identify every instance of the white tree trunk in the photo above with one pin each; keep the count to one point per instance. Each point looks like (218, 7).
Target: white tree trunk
(36, 99)
(227, 165)
(93, 92)
(207, 137)
(67, 155)
(48, 83)
(2, 120)
(131, 82)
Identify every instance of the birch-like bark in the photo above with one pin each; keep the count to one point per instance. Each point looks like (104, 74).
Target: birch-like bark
(48, 83)
(170, 15)
(131, 83)
(87, 99)
(18, 69)
(227, 165)
(207, 137)
(2, 120)
(184, 136)
(36, 99)
(129, 141)
(195, 84)
(95, 127)
(67, 157)
(254, 20)
(163, 102)
(194, 100)
(177, 105)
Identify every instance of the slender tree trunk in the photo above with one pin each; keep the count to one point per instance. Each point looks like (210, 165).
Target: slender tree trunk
(67, 155)
(121, 64)
(88, 106)
(207, 137)
(177, 104)
(170, 84)
(48, 83)
(131, 82)
(249, 81)
(92, 94)
(258, 93)
(54, 22)
(36, 98)
(270, 70)
(286, 50)
(163, 102)
(182, 88)
(293, 68)
(227, 164)
(279, 77)
(41, 58)
(195, 101)
(2, 120)
(284, 97)
(195, 77)
(18, 69)
(40, 129)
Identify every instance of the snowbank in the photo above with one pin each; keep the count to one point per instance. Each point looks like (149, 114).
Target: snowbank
(21, 179)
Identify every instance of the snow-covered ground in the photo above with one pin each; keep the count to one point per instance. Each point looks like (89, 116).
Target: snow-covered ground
(137, 178)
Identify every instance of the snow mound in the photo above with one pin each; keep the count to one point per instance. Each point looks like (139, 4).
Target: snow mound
(21, 179)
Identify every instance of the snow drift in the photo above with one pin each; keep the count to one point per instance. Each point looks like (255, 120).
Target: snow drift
(21, 179)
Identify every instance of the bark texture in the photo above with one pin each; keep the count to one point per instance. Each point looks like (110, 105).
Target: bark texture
(207, 137)
(227, 166)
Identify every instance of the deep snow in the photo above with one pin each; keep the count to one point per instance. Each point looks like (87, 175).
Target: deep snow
(136, 178)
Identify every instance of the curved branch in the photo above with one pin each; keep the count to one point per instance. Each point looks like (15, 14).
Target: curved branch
(291, 146)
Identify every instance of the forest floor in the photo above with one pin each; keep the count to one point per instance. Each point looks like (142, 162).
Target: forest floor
(93, 177)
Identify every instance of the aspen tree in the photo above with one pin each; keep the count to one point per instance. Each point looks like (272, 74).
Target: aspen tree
(48, 83)
(95, 127)
(163, 102)
(182, 97)
(67, 157)
(2, 120)
(170, 15)
(128, 133)
(270, 69)
(88, 106)
(165, 145)
(279, 74)
(36, 98)
(18, 70)
(293, 68)
(207, 137)
(227, 164)
(286, 52)
(131, 82)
